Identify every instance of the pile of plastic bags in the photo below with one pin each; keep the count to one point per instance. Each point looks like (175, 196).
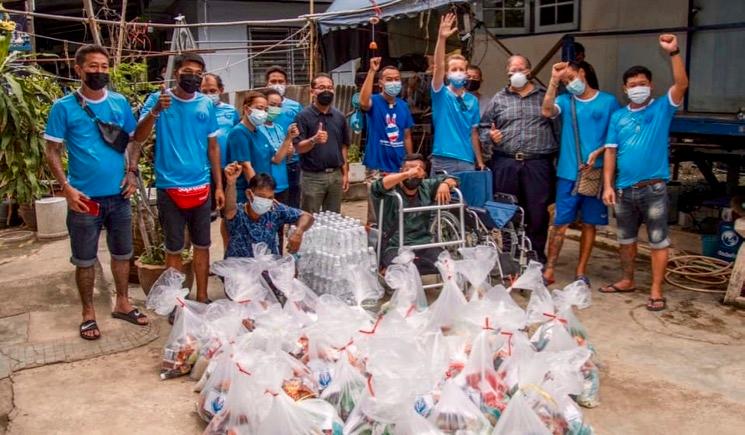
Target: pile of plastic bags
(474, 362)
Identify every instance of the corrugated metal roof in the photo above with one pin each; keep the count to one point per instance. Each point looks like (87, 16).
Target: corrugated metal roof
(395, 9)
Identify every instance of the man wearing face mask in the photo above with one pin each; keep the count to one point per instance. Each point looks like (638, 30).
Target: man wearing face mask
(590, 110)
(389, 120)
(227, 116)
(455, 112)
(261, 218)
(523, 147)
(417, 191)
(276, 78)
(637, 169)
(98, 183)
(473, 85)
(323, 144)
(186, 155)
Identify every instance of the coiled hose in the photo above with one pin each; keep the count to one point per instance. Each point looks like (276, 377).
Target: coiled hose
(698, 273)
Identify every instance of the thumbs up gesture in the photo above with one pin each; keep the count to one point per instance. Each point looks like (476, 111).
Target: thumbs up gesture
(495, 134)
(164, 101)
(321, 135)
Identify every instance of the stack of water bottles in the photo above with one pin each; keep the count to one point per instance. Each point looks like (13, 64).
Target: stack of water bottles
(332, 246)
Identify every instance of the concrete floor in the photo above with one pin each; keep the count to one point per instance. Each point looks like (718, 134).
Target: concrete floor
(678, 372)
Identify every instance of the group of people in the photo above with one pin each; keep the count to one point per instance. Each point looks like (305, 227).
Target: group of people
(276, 163)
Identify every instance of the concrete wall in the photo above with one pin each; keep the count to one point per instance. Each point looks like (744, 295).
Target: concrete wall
(717, 54)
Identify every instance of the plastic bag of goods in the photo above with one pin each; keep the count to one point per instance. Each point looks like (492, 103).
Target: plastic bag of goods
(363, 283)
(223, 322)
(403, 277)
(285, 416)
(182, 346)
(498, 308)
(300, 301)
(346, 386)
(567, 381)
(531, 279)
(454, 413)
(476, 265)
(331, 424)
(482, 382)
(371, 417)
(446, 310)
(216, 386)
(412, 423)
(519, 418)
(243, 281)
(166, 292)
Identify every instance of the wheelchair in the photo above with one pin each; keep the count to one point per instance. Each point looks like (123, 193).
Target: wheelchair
(494, 220)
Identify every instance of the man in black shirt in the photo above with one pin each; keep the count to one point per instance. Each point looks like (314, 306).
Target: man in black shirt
(323, 143)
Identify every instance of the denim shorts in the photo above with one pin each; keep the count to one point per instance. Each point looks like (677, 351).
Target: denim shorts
(647, 205)
(175, 220)
(116, 216)
(591, 210)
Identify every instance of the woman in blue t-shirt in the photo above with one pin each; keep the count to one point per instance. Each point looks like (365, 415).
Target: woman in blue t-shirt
(281, 142)
(247, 145)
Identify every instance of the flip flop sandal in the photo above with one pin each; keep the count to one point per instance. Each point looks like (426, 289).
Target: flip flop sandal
(616, 289)
(87, 326)
(652, 304)
(548, 282)
(131, 317)
(584, 279)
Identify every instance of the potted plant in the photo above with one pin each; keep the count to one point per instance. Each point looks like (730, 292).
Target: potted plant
(356, 168)
(26, 95)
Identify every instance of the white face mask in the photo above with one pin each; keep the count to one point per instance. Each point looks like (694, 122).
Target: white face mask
(214, 97)
(639, 94)
(518, 80)
(279, 88)
(261, 205)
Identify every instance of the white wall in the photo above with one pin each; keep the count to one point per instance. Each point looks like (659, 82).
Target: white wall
(236, 77)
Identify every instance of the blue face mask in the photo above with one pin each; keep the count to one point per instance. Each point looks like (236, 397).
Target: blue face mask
(257, 117)
(261, 205)
(457, 79)
(392, 88)
(576, 87)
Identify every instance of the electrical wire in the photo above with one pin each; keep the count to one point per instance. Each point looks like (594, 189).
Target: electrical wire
(698, 273)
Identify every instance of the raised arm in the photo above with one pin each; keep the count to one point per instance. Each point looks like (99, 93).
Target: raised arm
(152, 110)
(669, 43)
(232, 172)
(391, 180)
(367, 86)
(448, 26)
(214, 156)
(286, 148)
(548, 108)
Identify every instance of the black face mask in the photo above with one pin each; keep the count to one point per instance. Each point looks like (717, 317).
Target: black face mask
(190, 83)
(473, 85)
(412, 183)
(325, 98)
(96, 80)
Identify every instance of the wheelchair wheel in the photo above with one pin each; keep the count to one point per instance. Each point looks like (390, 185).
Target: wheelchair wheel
(450, 230)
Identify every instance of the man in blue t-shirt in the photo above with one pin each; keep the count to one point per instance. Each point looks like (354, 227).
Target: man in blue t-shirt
(455, 112)
(388, 120)
(637, 169)
(227, 116)
(276, 78)
(593, 110)
(186, 152)
(98, 184)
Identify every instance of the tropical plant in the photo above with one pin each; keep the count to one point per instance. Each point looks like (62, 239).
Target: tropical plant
(26, 96)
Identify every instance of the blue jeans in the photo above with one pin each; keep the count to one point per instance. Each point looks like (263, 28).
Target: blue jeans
(116, 216)
(648, 204)
(451, 166)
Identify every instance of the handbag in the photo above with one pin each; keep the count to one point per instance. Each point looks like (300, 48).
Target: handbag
(111, 133)
(590, 180)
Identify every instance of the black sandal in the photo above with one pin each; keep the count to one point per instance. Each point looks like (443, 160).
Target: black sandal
(88, 326)
(653, 304)
(132, 317)
(614, 289)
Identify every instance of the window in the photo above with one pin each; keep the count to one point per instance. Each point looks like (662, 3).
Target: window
(556, 15)
(505, 16)
(289, 55)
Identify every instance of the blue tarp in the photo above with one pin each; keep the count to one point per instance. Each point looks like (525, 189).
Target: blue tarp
(391, 9)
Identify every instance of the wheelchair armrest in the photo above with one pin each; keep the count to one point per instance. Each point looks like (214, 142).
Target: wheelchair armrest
(505, 198)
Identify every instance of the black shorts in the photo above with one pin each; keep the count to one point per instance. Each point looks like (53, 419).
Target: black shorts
(174, 220)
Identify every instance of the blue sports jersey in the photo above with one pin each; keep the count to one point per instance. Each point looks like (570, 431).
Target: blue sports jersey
(593, 116)
(227, 118)
(290, 109)
(181, 140)
(94, 168)
(386, 125)
(641, 137)
(454, 119)
(275, 135)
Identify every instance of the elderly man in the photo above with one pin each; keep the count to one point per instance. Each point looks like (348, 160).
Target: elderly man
(523, 144)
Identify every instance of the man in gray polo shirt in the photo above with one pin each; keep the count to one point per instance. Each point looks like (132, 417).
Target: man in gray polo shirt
(323, 143)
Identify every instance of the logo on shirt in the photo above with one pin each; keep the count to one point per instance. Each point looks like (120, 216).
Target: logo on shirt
(391, 129)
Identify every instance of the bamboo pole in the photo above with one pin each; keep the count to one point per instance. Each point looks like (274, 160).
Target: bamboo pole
(92, 21)
(122, 30)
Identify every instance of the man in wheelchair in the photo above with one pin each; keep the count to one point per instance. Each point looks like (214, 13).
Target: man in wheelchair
(416, 191)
